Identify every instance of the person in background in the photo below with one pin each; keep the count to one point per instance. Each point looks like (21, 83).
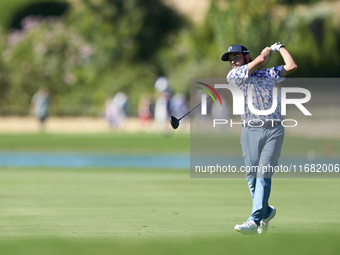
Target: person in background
(162, 106)
(39, 106)
(178, 106)
(116, 110)
(145, 110)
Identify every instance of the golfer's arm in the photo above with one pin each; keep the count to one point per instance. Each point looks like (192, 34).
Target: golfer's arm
(259, 60)
(290, 65)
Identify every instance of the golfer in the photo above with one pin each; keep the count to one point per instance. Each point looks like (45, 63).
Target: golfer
(262, 135)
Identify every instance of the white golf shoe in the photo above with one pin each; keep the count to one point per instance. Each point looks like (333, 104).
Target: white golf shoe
(262, 229)
(249, 227)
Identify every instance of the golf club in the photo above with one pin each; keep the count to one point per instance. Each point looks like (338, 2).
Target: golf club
(175, 122)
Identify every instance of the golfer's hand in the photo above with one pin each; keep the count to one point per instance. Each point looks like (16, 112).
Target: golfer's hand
(266, 50)
(276, 46)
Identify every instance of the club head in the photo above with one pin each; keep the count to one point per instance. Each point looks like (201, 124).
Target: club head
(174, 122)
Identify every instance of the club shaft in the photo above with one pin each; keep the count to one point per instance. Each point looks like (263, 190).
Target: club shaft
(197, 106)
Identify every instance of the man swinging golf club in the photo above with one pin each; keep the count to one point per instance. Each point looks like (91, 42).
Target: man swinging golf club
(262, 140)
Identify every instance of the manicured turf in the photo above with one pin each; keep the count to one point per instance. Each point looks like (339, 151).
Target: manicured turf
(127, 211)
(149, 143)
(115, 142)
(282, 245)
(143, 211)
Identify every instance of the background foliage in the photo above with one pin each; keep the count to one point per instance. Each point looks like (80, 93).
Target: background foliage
(97, 48)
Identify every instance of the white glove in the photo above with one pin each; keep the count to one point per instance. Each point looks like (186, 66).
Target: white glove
(276, 46)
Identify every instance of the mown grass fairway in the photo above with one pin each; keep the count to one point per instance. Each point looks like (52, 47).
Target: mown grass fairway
(121, 211)
(153, 211)
(146, 143)
(115, 142)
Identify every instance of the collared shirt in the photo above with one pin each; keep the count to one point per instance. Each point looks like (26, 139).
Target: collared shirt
(261, 83)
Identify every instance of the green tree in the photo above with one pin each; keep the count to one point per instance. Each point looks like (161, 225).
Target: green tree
(99, 48)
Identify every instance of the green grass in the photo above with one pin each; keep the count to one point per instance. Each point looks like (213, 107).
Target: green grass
(143, 211)
(282, 245)
(148, 143)
(127, 211)
(115, 142)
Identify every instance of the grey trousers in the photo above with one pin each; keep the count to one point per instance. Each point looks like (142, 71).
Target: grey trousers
(261, 147)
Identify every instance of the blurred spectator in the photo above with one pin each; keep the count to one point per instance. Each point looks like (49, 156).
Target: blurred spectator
(116, 110)
(198, 122)
(162, 109)
(39, 106)
(220, 112)
(108, 110)
(162, 84)
(145, 110)
(178, 106)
